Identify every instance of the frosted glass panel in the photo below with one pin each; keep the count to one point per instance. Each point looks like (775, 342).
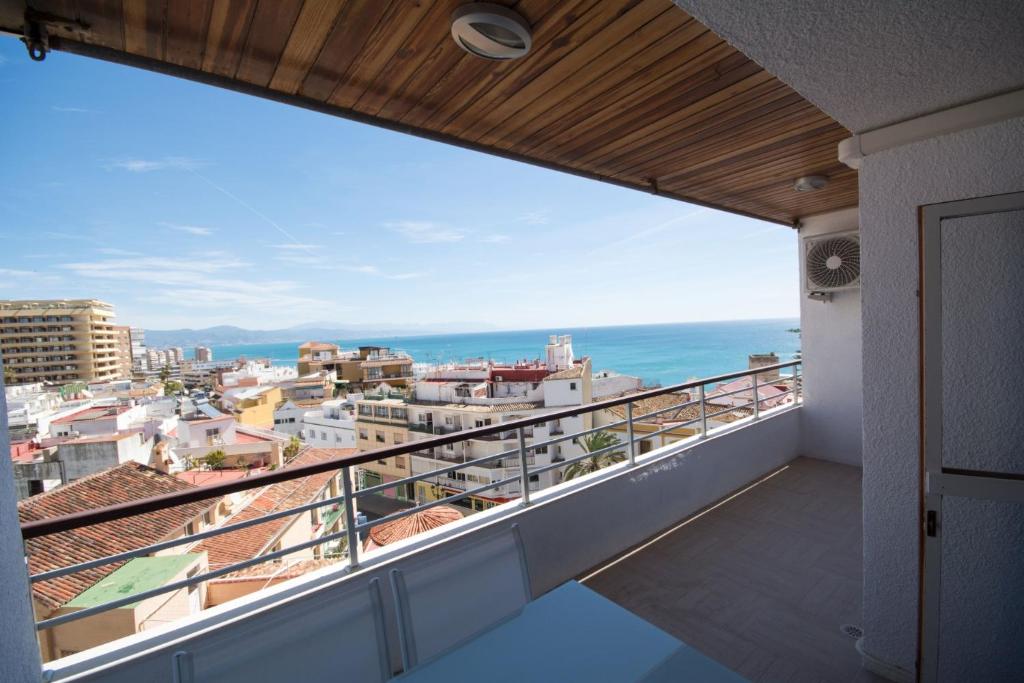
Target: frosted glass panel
(983, 342)
(982, 583)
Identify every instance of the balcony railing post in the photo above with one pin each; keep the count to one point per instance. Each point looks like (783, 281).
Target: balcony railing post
(757, 403)
(524, 472)
(703, 414)
(350, 518)
(796, 383)
(629, 434)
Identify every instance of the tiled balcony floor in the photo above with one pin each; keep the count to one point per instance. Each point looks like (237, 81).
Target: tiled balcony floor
(762, 582)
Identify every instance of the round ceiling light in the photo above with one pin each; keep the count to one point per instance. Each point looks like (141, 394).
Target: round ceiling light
(490, 31)
(810, 183)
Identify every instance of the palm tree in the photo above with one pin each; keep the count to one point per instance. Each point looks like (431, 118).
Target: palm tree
(591, 444)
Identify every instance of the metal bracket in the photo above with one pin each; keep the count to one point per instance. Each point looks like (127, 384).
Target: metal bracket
(35, 33)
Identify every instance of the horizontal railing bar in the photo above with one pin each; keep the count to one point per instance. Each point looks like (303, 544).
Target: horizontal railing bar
(655, 413)
(441, 470)
(434, 503)
(574, 435)
(183, 583)
(76, 520)
(576, 458)
(184, 540)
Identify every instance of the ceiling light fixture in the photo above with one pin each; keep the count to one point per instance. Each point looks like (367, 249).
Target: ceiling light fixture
(810, 183)
(491, 31)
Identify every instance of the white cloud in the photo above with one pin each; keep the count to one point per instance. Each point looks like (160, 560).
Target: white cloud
(495, 239)
(73, 110)
(297, 246)
(31, 275)
(425, 232)
(203, 281)
(147, 165)
(196, 230)
(535, 218)
(110, 251)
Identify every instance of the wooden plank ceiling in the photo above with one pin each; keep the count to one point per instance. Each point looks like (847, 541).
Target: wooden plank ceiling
(631, 91)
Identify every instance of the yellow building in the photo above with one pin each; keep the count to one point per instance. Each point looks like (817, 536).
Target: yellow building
(60, 341)
(253, 406)
(381, 364)
(382, 422)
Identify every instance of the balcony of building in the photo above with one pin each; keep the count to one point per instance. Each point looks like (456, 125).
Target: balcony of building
(893, 128)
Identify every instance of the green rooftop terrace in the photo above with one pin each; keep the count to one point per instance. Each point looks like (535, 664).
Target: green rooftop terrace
(137, 575)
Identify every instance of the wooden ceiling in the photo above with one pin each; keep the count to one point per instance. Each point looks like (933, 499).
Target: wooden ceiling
(634, 92)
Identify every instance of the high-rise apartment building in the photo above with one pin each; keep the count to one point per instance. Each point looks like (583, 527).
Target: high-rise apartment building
(140, 361)
(123, 337)
(59, 340)
(204, 354)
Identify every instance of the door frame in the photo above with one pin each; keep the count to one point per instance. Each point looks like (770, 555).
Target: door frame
(938, 481)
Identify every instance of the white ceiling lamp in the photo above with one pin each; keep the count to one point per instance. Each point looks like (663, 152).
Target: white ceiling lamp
(491, 31)
(810, 183)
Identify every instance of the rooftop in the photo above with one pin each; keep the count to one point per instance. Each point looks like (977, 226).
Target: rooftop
(135, 576)
(407, 527)
(126, 482)
(250, 542)
(575, 372)
(210, 477)
(93, 413)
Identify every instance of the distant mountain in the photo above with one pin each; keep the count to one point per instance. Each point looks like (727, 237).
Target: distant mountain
(226, 335)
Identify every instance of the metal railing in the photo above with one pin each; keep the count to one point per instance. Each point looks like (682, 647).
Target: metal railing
(522, 458)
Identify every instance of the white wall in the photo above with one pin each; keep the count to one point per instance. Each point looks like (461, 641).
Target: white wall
(893, 184)
(19, 650)
(830, 341)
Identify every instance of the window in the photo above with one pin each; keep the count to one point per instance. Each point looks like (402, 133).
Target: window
(540, 449)
(398, 413)
(323, 436)
(396, 438)
(379, 436)
(208, 518)
(449, 420)
(210, 433)
(365, 410)
(534, 477)
(363, 434)
(381, 411)
(190, 529)
(572, 386)
(449, 447)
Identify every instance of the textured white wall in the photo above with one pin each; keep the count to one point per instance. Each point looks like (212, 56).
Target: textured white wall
(872, 63)
(830, 344)
(893, 184)
(19, 650)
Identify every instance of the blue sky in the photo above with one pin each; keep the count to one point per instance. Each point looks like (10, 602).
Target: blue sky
(189, 206)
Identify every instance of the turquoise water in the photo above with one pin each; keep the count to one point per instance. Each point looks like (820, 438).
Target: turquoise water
(662, 354)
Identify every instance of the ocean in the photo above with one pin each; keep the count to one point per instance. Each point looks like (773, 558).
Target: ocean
(659, 354)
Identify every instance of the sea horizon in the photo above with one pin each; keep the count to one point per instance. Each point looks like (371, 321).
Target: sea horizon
(658, 353)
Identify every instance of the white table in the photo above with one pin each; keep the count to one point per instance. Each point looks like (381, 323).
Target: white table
(573, 634)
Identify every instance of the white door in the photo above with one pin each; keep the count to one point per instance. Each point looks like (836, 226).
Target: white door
(973, 448)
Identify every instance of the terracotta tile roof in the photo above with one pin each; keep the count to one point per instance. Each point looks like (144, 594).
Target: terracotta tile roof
(575, 372)
(653, 403)
(129, 481)
(253, 541)
(411, 525)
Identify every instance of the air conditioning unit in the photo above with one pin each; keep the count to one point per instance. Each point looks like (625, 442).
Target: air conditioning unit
(831, 264)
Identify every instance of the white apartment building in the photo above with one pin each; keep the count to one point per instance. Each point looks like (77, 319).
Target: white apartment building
(332, 425)
(453, 398)
(257, 373)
